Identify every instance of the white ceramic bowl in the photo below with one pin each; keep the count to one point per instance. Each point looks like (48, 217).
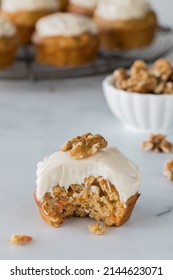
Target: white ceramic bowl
(145, 112)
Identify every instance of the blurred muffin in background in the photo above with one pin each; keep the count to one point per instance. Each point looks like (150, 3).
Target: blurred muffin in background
(63, 5)
(83, 7)
(64, 39)
(25, 13)
(8, 43)
(126, 24)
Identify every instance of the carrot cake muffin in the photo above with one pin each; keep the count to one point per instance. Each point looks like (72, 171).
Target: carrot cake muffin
(8, 43)
(25, 13)
(84, 7)
(64, 39)
(87, 179)
(126, 24)
(63, 5)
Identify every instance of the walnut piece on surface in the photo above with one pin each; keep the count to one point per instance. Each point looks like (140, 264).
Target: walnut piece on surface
(157, 143)
(18, 239)
(84, 146)
(162, 69)
(96, 228)
(157, 79)
(168, 170)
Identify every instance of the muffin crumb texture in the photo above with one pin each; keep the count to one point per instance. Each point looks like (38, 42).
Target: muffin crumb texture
(96, 229)
(157, 79)
(18, 239)
(157, 143)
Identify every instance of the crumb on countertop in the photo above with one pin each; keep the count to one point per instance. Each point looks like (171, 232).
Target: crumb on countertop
(96, 228)
(18, 239)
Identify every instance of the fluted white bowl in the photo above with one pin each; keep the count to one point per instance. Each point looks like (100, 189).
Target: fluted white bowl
(145, 112)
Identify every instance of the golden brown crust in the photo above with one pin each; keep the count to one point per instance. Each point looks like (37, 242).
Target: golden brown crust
(52, 222)
(63, 51)
(128, 34)
(80, 10)
(8, 47)
(95, 198)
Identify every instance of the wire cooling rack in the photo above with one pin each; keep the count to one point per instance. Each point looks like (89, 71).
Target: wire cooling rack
(26, 68)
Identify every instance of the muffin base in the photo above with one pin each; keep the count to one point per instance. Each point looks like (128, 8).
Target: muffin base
(25, 23)
(80, 10)
(127, 35)
(64, 5)
(95, 198)
(63, 51)
(8, 47)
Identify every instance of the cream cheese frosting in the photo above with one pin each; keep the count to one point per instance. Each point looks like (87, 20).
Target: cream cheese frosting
(7, 29)
(122, 9)
(29, 5)
(89, 4)
(64, 24)
(60, 169)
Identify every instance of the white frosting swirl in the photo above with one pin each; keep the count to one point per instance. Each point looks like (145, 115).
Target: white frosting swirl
(64, 24)
(60, 169)
(7, 29)
(29, 5)
(89, 4)
(122, 9)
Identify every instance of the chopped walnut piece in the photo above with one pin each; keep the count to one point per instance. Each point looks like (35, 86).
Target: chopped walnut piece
(157, 143)
(96, 228)
(139, 67)
(159, 89)
(120, 76)
(168, 170)
(84, 146)
(168, 89)
(18, 239)
(162, 69)
(141, 79)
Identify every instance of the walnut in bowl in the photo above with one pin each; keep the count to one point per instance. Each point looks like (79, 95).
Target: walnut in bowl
(142, 97)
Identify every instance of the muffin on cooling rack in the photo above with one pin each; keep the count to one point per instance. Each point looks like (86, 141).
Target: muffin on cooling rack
(127, 24)
(63, 5)
(83, 7)
(24, 14)
(8, 43)
(87, 179)
(64, 39)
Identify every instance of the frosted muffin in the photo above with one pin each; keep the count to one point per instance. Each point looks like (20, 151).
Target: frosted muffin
(83, 7)
(24, 14)
(126, 24)
(8, 43)
(87, 179)
(64, 39)
(63, 5)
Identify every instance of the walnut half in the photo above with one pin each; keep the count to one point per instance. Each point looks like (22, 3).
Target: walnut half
(168, 170)
(157, 143)
(84, 146)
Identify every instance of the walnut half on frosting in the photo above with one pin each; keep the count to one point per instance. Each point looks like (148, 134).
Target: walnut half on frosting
(157, 143)
(84, 146)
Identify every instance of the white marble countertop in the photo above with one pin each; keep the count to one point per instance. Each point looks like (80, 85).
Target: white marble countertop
(35, 119)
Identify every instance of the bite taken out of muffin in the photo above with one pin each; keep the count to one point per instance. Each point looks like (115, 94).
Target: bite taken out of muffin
(87, 178)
